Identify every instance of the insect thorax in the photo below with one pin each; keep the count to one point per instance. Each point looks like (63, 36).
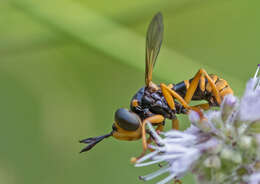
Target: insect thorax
(147, 103)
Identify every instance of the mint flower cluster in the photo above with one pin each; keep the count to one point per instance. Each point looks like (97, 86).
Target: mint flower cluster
(220, 146)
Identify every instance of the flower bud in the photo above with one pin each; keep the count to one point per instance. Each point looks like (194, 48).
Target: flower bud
(229, 154)
(215, 149)
(257, 165)
(245, 141)
(242, 128)
(215, 118)
(226, 154)
(237, 158)
(212, 162)
(227, 106)
(255, 127)
(220, 177)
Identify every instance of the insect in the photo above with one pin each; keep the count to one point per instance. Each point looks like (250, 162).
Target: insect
(155, 103)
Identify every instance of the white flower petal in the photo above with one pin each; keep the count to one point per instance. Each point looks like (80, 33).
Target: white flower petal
(254, 178)
(257, 70)
(168, 157)
(154, 174)
(148, 163)
(167, 179)
(178, 134)
(250, 102)
(148, 156)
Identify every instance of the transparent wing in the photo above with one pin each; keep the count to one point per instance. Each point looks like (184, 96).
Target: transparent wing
(154, 37)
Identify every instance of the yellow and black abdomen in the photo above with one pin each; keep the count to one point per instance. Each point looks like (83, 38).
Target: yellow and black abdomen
(204, 89)
(221, 85)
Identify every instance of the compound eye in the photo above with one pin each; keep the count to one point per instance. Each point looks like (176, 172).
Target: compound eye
(127, 120)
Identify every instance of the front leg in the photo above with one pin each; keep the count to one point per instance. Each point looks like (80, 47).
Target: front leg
(154, 120)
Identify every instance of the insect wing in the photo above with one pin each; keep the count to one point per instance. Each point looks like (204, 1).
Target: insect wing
(154, 39)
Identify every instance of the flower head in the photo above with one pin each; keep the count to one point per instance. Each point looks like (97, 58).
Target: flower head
(221, 146)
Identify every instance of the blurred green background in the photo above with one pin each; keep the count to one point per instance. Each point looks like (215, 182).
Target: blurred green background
(67, 65)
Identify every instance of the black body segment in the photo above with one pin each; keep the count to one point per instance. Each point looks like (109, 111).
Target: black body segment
(153, 102)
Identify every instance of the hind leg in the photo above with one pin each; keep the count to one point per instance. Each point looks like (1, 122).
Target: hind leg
(175, 124)
(204, 106)
(201, 75)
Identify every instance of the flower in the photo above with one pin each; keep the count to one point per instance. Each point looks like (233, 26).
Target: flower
(220, 146)
(177, 148)
(250, 102)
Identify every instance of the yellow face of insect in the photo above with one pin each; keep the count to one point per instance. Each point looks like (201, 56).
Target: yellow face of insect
(122, 134)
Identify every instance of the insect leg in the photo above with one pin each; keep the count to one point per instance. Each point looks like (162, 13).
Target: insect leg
(168, 97)
(158, 129)
(202, 86)
(175, 95)
(177, 182)
(156, 119)
(168, 93)
(194, 83)
(175, 124)
(202, 83)
(181, 100)
(204, 106)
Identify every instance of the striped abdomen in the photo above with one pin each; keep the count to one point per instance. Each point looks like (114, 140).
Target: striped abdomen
(204, 89)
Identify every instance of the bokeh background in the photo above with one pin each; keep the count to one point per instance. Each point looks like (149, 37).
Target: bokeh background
(67, 65)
